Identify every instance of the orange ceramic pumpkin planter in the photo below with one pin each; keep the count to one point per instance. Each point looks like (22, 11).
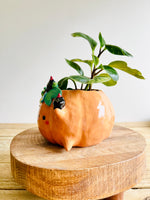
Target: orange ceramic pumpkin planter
(82, 117)
(86, 119)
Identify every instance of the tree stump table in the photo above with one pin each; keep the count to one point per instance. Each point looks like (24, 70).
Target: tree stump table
(103, 171)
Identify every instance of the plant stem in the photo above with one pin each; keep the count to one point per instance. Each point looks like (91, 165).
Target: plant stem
(93, 74)
(98, 72)
(75, 85)
(86, 87)
(90, 87)
(100, 52)
(81, 86)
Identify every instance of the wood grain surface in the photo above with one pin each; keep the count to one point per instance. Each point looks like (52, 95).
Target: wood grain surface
(100, 171)
(10, 190)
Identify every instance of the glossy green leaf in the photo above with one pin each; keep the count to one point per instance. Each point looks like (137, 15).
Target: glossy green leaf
(101, 40)
(112, 72)
(117, 50)
(100, 79)
(110, 82)
(95, 60)
(123, 66)
(89, 62)
(62, 84)
(75, 66)
(91, 41)
(81, 79)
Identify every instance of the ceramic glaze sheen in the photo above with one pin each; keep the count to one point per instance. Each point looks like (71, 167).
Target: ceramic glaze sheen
(86, 119)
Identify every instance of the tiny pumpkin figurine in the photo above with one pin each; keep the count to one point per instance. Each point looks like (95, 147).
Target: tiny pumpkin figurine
(82, 117)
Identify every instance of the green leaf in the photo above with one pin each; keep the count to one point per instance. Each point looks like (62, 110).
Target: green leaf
(75, 66)
(101, 40)
(89, 62)
(91, 41)
(100, 79)
(123, 66)
(117, 50)
(62, 84)
(81, 79)
(100, 67)
(112, 72)
(109, 83)
(95, 60)
(85, 80)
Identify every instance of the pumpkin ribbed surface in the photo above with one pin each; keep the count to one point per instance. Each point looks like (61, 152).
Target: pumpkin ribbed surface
(86, 119)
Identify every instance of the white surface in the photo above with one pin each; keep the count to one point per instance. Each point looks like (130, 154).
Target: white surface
(35, 39)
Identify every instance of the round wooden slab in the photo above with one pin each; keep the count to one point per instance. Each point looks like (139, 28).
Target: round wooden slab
(95, 172)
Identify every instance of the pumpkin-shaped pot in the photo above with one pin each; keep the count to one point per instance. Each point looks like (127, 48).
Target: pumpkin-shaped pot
(86, 119)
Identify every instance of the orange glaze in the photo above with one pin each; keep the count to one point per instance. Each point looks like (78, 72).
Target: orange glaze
(86, 119)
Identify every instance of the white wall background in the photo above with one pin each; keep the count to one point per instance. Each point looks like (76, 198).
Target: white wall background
(35, 39)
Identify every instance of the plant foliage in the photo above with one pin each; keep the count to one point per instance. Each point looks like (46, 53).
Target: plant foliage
(105, 74)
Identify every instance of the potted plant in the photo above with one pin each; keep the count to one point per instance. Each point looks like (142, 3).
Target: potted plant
(82, 116)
